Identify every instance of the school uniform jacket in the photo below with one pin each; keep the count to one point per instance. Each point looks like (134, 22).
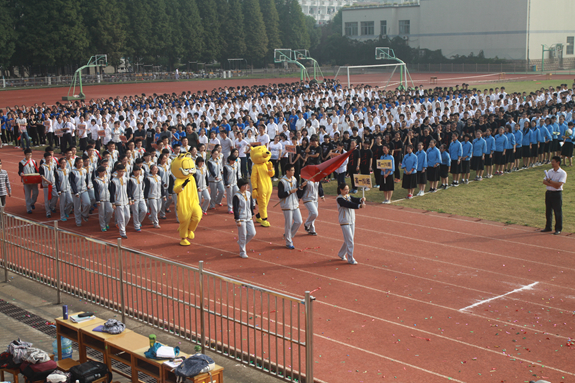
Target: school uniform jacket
(230, 175)
(101, 191)
(78, 181)
(136, 188)
(479, 147)
(214, 170)
(310, 192)
(433, 157)
(201, 177)
(118, 188)
(153, 187)
(288, 201)
(62, 180)
(27, 167)
(49, 172)
(243, 206)
(346, 206)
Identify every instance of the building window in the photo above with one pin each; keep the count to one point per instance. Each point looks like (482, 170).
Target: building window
(570, 42)
(367, 28)
(383, 27)
(351, 29)
(404, 28)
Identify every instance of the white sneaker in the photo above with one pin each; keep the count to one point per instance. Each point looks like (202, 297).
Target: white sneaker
(274, 179)
(352, 262)
(386, 201)
(366, 189)
(243, 255)
(421, 192)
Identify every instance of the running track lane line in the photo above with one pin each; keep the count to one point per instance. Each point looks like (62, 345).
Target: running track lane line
(528, 287)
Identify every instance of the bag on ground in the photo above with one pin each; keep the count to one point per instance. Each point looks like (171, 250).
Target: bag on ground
(90, 371)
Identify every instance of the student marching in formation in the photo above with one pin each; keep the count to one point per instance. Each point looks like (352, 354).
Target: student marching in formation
(202, 182)
(243, 208)
(309, 193)
(136, 196)
(28, 166)
(120, 200)
(230, 177)
(289, 203)
(346, 206)
(48, 174)
(102, 195)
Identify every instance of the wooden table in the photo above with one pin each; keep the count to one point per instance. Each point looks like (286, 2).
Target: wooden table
(121, 347)
(217, 376)
(95, 340)
(68, 329)
(150, 367)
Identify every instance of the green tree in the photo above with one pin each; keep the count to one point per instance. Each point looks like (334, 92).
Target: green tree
(293, 31)
(51, 33)
(191, 30)
(313, 31)
(139, 30)
(256, 38)
(7, 33)
(106, 26)
(233, 32)
(211, 37)
(272, 21)
(161, 44)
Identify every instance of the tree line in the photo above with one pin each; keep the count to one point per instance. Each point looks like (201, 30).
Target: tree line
(57, 36)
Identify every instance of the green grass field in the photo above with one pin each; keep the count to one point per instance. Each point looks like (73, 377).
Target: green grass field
(515, 198)
(523, 86)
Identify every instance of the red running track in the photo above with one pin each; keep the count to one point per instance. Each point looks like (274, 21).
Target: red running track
(398, 314)
(52, 95)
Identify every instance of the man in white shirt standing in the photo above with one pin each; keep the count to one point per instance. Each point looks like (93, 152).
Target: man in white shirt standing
(554, 180)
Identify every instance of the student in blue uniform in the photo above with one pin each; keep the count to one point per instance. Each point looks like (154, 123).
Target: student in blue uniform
(478, 159)
(534, 133)
(466, 154)
(409, 163)
(455, 152)
(526, 145)
(518, 146)
(567, 148)
(499, 154)
(444, 167)
(509, 149)
(243, 208)
(346, 206)
(489, 150)
(387, 182)
(433, 166)
(421, 168)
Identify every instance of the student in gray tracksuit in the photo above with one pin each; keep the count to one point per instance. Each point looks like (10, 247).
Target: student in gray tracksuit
(215, 179)
(231, 181)
(29, 166)
(136, 195)
(48, 173)
(165, 173)
(102, 195)
(346, 206)
(63, 189)
(119, 199)
(289, 203)
(79, 184)
(89, 166)
(243, 208)
(154, 194)
(309, 195)
(201, 177)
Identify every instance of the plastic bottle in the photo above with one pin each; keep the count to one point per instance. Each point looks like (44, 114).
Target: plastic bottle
(66, 348)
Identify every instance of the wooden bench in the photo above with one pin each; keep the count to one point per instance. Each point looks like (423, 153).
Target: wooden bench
(433, 80)
(15, 372)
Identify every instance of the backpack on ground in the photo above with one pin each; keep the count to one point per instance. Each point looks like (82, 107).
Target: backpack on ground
(38, 371)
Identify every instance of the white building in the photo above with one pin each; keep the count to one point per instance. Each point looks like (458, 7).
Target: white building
(507, 29)
(323, 10)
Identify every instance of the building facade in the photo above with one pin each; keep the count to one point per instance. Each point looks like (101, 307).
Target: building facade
(323, 10)
(507, 29)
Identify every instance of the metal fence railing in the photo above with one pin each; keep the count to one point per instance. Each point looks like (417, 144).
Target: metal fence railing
(267, 330)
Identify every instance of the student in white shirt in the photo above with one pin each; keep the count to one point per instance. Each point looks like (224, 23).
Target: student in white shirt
(554, 180)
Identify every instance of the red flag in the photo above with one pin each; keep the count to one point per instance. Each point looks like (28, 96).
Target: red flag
(317, 172)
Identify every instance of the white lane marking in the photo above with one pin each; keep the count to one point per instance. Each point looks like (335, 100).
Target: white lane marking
(528, 287)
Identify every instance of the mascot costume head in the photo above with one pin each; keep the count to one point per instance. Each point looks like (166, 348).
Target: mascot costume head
(189, 211)
(262, 172)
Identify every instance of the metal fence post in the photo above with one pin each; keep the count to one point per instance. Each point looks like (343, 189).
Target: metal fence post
(202, 319)
(121, 279)
(4, 248)
(57, 256)
(309, 337)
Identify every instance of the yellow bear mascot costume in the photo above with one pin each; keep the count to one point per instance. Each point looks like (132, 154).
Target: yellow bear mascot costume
(262, 171)
(189, 210)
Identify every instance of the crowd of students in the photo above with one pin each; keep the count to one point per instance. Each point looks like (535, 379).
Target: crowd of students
(127, 143)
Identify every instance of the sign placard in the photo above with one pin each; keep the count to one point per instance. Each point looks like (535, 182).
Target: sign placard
(384, 164)
(362, 180)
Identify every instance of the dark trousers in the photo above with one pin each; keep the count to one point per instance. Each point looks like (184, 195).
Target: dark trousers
(554, 205)
(377, 174)
(283, 163)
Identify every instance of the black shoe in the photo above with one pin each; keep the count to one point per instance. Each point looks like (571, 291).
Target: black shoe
(312, 233)
(306, 228)
(125, 236)
(546, 230)
(557, 232)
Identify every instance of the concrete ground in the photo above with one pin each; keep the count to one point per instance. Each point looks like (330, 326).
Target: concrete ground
(41, 301)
